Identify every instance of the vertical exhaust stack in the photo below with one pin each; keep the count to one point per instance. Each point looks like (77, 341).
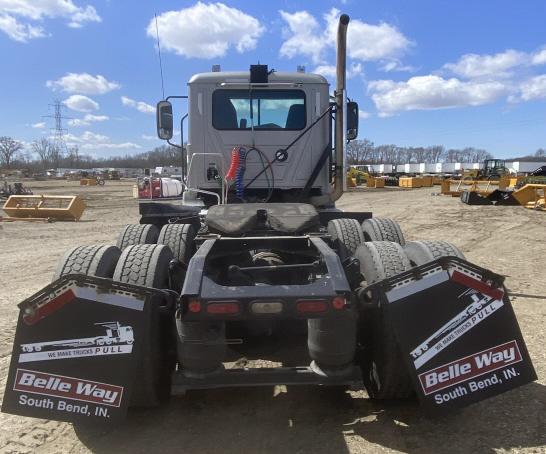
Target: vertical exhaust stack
(340, 125)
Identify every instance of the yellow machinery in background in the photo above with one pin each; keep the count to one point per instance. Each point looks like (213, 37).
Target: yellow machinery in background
(357, 176)
(531, 196)
(43, 207)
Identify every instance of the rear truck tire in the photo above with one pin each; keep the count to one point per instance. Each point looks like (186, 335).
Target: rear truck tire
(383, 229)
(346, 235)
(384, 370)
(148, 265)
(421, 252)
(97, 260)
(179, 238)
(137, 234)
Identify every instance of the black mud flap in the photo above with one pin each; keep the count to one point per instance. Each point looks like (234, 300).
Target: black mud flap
(457, 332)
(76, 349)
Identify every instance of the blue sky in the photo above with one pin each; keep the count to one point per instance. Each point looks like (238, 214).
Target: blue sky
(466, 73)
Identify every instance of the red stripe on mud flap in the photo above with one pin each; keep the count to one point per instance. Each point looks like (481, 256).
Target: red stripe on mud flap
(48, 308)
(479, 286)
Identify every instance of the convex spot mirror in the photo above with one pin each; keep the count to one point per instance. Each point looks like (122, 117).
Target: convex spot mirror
(164, 119)
(352, 120)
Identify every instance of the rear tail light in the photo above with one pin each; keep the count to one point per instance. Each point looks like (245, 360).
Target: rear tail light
(338, 303)
(223, 307)
(311, 306)
(266, 307)
(194, 305)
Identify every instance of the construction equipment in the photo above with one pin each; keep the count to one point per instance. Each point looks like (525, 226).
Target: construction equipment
(492, 169)
(257, 248)
(93, 181)
(482, 187)
(55, 207)
(359, 174)
(17, 189)
(538, 176)
(529, 196)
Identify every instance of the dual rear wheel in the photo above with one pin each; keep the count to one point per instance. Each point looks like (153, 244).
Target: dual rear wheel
(383, 252)
(142, 257)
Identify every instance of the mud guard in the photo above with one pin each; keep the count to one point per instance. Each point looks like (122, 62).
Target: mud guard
(457, 332)
(76, 350)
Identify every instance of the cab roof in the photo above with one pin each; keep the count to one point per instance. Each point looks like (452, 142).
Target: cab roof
(244, 76)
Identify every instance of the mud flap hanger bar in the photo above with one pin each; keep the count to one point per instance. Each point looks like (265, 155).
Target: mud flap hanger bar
(480, 279)
(63, 290)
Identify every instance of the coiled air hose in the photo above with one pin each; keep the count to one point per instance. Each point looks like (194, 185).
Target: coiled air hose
(239, 184)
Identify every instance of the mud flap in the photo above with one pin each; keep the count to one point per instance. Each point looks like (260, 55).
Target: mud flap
(457, 332)
(76, 349)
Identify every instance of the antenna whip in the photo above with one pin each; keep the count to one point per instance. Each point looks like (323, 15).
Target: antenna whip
(159, 51)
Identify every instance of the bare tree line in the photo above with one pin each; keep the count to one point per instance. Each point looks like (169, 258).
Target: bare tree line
(365, 152)
(43, 154)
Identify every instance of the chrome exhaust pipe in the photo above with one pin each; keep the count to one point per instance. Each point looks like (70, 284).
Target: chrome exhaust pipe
(340, 180)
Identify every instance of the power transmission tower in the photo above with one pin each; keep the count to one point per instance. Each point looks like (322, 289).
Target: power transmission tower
(59, 144)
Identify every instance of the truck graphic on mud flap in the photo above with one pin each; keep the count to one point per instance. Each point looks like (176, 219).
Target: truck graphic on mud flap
(478, 302)
(115, 334)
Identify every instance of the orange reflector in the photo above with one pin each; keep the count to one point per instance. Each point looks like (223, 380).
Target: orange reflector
(311, 306)
(266, 307)
(223, 308)
(194, 306)
(338, 302)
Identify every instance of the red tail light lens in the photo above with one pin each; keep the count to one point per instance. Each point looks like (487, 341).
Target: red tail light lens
(194, 306)
(311, 306)
(225, 307)
(338, 303)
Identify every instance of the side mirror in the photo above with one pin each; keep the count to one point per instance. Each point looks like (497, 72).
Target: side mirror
(352, 120)
(164, 119)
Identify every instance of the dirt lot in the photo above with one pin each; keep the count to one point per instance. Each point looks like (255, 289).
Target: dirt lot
(508, 240)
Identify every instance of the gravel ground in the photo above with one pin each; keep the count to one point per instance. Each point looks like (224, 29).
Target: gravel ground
(508, 240)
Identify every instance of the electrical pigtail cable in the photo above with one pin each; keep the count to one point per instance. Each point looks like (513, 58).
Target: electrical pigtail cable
(282, 155)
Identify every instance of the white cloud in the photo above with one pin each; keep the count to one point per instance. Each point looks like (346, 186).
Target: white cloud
(114, 146)
(362, 114)
(500, 65)
(12, 11)
(326, 71)
(303, 36)
(329, 71)
(83, 83)
(93, 141)
(141, 106)
(478, 66)
(531, 89)
(365, 42)
(18, 31)
(206, 30)
(395, 65)
(87, 120)
(81, 103)
(89, 14)
(148, 137)
(432, 92)
(39, 125)
(539, 58)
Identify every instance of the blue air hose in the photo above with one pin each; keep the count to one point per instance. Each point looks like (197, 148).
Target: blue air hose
(239, 184)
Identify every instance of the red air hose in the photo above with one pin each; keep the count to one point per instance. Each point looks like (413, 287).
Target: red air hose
(232, 171)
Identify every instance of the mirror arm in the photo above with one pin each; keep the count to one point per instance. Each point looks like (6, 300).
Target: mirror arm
(176, 97)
